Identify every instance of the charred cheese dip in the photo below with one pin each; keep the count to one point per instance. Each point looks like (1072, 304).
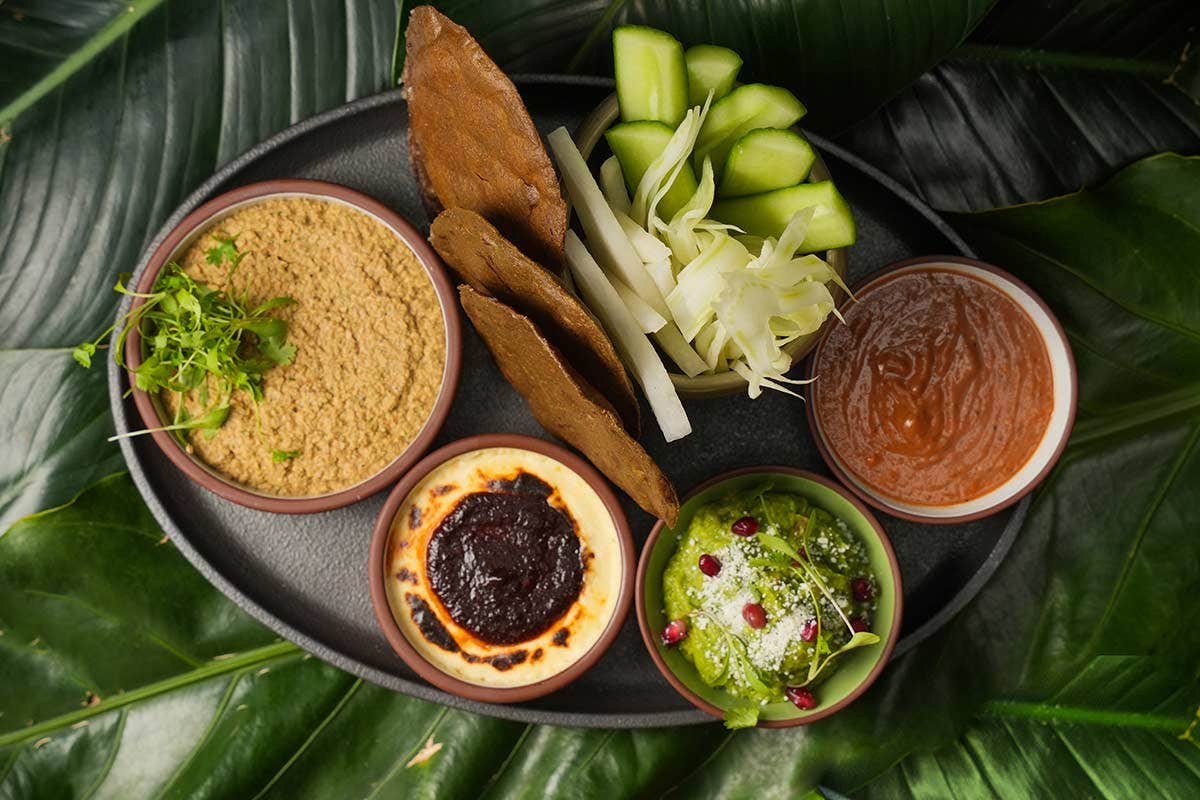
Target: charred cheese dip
(503, 567)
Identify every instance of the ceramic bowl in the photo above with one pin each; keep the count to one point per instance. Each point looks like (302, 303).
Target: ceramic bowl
(858, 669)
(1058, 431)
(200, 221)
(588, 137)
(379, 555)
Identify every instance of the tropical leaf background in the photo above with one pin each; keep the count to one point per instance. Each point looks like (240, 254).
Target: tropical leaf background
(1075, 672)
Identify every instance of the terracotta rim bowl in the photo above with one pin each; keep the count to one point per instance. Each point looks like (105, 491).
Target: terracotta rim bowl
(383, 610)
(883, 561)
(194, 225)
(589, 135)
(1058, 430)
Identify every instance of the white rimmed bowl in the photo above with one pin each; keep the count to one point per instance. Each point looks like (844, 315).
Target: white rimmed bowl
(1064, 386)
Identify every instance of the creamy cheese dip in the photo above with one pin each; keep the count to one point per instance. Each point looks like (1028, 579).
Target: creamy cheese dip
(503, 567)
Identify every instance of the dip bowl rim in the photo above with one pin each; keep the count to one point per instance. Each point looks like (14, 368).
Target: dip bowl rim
(182, 235)
(588, 136)
(878, 500)
(378, 578)
(650, 637)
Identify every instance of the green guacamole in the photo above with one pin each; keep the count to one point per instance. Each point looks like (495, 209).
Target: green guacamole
(797, 564)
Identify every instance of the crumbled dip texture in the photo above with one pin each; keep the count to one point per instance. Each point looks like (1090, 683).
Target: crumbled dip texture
(370, 347)
(759, 663)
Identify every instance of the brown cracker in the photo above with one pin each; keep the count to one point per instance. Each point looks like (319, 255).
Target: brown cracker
(563, 402)
(493, 265)
(472, 142)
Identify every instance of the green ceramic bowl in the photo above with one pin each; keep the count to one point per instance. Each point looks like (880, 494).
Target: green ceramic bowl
(858, 669)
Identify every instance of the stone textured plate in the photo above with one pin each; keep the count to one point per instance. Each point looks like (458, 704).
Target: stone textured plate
(306, 576)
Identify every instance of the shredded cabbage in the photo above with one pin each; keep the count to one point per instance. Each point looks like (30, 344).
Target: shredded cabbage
(725, 300)
(661, 173)
(681, 233)
(698, 285)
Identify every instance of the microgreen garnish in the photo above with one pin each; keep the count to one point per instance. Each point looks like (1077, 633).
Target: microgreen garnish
(225, 252)
(279, 456)
(812, 576)
(199, 340)
(737, 717)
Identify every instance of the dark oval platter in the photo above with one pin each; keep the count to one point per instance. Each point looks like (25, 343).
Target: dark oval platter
(306, 576)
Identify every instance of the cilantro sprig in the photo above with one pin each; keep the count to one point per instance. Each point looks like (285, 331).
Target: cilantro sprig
(200, 341)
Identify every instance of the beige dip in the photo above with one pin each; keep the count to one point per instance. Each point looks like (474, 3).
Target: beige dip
(370, 346)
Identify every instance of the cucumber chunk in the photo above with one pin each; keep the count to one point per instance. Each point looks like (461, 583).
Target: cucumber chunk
(769, 213)
(651, 75)
(766, 159)
(636, 144)
(754, 105)
(710, 68)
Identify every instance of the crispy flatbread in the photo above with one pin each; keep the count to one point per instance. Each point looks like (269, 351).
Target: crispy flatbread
(481, 255)
(563, 402)
(472, 142)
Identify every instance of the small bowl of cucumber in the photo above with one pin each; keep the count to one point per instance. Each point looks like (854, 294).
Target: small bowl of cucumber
(764, 169)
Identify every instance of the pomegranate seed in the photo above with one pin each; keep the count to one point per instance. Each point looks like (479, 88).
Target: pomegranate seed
(675, 632)
(862, 590)
(858, 624)
(801, 697)
(808, 633)
(710, 565)
(746, 526)
(754, 615)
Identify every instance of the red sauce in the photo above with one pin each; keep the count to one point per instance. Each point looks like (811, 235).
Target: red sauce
(936, 391)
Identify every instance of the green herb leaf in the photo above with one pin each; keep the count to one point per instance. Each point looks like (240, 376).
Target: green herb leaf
(225, 251)
(280, 354)
(741, 717)
(195, 340)
(859, 639)
(279, 456)
(272, 304)
(778, 545)
(83, 354)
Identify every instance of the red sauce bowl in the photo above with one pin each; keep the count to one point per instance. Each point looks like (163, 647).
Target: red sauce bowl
(1045, 455)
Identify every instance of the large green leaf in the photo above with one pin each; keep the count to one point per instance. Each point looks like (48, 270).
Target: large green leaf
(1104, 567)
(124, 674)
(91, 169)
(1107, 28)
(816, 48)
(57, 420)
(1112, 731)
(1054, 96)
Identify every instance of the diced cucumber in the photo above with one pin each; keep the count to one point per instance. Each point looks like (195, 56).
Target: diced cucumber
(636, 144)
(651, 75)
(710, 68)
(766, 159)
(769, 213)
(754, 105)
